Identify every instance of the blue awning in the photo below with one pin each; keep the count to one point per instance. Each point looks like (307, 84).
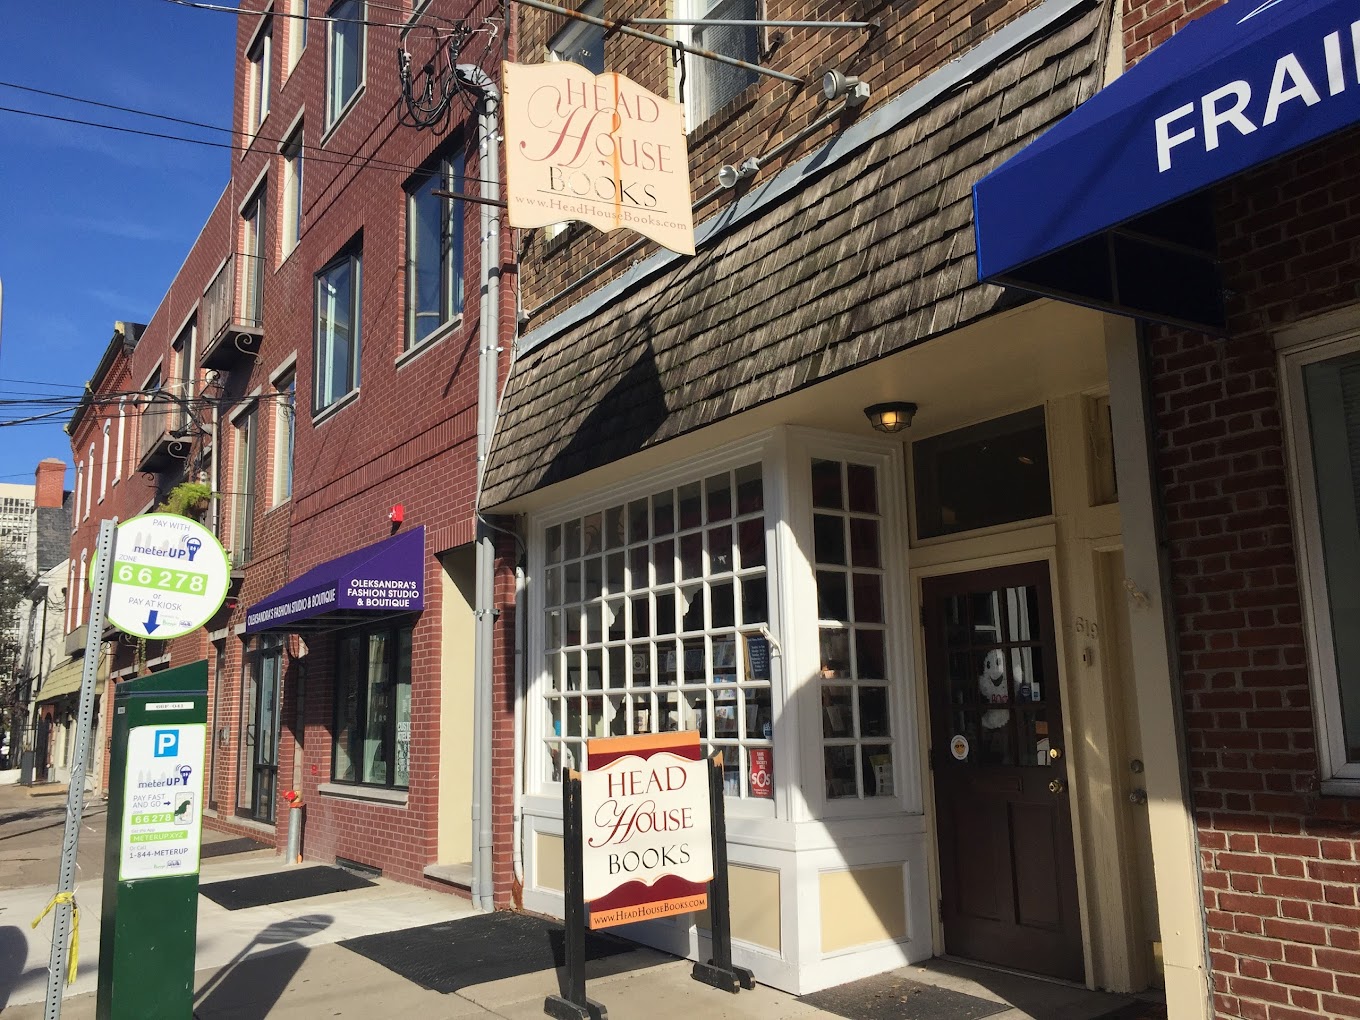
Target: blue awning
(381, 579)
(1108, 208)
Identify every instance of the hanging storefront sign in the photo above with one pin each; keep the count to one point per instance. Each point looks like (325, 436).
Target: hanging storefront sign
(646, 828)
(596, 148)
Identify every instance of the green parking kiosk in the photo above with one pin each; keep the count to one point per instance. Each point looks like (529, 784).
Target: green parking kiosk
(151, 852)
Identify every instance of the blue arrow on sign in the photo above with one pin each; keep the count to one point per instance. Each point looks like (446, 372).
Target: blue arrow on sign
(151, 623)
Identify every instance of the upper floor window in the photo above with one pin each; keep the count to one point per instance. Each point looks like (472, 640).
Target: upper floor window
(185, 373)
(1323, 389)
(709, 85)
(286, 404)
(252, 259)
(297, 31)
(243, 509)
(434, 250)
(80, 486)
(258, 57)
(104, 463)
(581, 42)
(344, 56)
(89, 482)
(292, 192)
(122, 425)
(337, 338)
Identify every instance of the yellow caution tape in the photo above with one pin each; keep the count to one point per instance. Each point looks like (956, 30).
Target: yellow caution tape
(66, 897)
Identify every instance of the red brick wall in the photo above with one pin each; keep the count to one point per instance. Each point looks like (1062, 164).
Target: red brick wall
(409, 438)
(1280, 861)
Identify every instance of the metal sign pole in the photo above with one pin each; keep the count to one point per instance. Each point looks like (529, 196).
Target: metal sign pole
(64, 900)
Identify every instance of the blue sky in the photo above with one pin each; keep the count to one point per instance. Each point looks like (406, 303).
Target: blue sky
(93, 223)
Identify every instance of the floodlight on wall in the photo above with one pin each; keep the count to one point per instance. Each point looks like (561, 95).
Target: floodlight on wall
(728, 175)
(838, 85)
(893, 416)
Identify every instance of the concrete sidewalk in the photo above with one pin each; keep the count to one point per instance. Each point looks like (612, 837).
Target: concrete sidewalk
(281, 959)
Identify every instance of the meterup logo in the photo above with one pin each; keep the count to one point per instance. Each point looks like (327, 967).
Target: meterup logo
(1231, 105)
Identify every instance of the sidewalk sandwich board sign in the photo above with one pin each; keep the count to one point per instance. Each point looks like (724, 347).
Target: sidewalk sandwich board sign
(646, 828)
(170, 576)
(644, 836)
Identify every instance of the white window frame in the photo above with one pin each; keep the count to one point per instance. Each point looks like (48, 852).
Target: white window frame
(291, 204)
(764, 450)
(1323, 339)
(72, 594)
(297, 33)
(245, 467)
(446, 172)
(337, 106)
(80, 588)
(354, 255)
(104, 464)
(698, 113)
(285, 427)
(122, 424)
(259, 57)
(806, 445)
(89, 483)
(80, 485)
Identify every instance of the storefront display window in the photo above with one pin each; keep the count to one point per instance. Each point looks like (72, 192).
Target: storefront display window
(847, 534)
(373, 707)
(655, 611)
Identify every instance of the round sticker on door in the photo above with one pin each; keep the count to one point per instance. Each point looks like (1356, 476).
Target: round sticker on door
(958, 747)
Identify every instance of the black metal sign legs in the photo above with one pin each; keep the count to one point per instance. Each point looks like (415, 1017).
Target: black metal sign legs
(572, 1004)
(720, 972)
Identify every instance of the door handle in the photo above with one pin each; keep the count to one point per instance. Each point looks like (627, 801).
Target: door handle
(1055, 753)
(1056, 786)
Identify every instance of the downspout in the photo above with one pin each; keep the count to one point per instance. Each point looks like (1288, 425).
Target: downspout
(517, 828)
(488, 129)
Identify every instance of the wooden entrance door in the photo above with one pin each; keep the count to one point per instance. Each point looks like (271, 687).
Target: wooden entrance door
(1007, 872)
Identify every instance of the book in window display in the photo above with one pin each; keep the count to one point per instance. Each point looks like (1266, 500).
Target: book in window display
(835, 654)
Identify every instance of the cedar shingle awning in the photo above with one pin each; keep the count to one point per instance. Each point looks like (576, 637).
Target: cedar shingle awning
(868, 252)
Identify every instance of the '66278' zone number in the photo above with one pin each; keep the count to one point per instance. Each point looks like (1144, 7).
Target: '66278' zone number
(160, 578)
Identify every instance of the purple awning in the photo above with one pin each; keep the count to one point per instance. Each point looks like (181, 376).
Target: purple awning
(378, 580)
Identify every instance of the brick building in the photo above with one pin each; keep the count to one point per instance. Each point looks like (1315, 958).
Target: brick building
(310, 388)
(1252, 394)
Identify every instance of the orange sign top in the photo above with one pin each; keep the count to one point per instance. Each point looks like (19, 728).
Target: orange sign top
(596, 148)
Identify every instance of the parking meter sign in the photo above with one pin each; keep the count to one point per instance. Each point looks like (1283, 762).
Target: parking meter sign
(170, 576)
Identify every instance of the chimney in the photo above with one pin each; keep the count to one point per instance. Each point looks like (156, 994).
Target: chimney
(49, 482)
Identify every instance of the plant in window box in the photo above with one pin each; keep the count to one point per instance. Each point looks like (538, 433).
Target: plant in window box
(189, 499)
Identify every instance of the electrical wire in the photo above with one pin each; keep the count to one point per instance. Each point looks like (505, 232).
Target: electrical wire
(322, 18)
(348, 160)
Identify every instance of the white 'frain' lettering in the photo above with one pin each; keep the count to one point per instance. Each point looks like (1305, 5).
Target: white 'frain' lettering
(1227, 106)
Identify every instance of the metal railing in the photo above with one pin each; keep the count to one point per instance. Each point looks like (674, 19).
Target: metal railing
(234, 298)
(161, 414)
(242, 528)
